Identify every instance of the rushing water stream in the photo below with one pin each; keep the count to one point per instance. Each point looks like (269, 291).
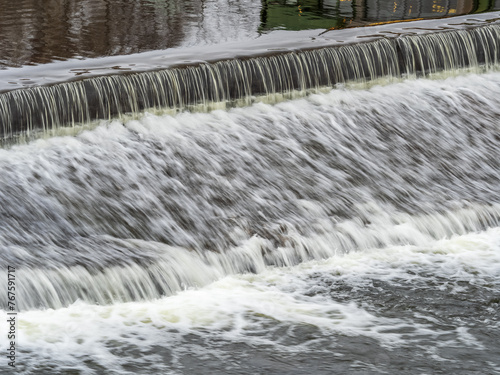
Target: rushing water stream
(333, 209)
(378, 205)
(48, 108)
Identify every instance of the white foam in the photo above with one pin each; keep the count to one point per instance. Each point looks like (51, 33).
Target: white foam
(248, 307)
(212, 294)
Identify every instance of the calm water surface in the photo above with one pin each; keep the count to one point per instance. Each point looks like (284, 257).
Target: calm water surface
(37, 32)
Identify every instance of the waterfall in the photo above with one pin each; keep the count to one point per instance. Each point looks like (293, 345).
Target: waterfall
(45, 108)
(145, 208)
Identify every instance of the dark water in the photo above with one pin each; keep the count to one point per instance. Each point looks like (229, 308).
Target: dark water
(299, 15)
(37, 32)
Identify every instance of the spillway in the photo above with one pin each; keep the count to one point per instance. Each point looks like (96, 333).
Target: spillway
(320, 205)
(48, 108)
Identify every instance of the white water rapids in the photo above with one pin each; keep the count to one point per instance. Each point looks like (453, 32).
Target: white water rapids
(343, 230)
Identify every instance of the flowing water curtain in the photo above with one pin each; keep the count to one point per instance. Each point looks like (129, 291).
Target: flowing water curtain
(48, 108)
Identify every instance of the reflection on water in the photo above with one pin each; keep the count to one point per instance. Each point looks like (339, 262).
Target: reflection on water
(319, 14)
(36, 32)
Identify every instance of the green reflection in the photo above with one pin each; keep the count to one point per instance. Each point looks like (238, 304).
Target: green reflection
(329, 14)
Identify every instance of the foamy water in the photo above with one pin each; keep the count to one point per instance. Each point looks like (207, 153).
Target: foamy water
(311, 308)
(354, 231)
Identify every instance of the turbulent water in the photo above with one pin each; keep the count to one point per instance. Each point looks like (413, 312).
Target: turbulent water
(354, 231)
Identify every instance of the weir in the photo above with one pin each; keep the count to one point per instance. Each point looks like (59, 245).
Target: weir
(270, 186)
(143, 209)
(46, 108)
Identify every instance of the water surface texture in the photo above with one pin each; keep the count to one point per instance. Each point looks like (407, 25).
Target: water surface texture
(313, 14)
(333, 209)
(355, 230)
(35, 32)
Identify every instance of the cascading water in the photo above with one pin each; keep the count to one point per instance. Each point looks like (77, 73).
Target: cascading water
(350, 230)
(227, 193)
(49, 108)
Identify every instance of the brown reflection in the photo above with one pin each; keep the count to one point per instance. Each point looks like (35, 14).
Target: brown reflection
(35, 31)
